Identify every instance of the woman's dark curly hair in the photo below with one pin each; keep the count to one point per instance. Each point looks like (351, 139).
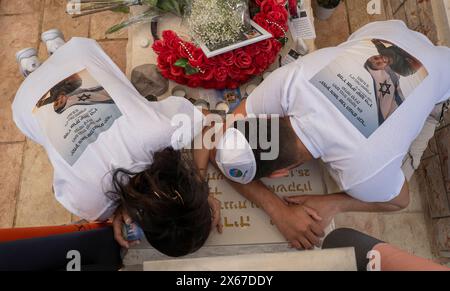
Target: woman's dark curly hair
(169, 201)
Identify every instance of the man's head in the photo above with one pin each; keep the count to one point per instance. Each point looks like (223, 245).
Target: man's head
(378, 63)
(58, 94)
(169, 201)
(256, 148)
(60, 103)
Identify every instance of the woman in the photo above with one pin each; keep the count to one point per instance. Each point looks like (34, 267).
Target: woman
(119, 159)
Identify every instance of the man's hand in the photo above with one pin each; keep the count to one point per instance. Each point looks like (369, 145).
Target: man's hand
(325, 206)
(216, 218)
(299, 225)
(121, 217)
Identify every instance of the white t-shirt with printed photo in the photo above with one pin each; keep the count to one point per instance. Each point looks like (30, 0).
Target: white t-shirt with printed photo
(91, 120)
(360, 105)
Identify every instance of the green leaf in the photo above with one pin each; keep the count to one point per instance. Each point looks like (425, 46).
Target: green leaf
(124, 9)
(116, 28)
(189, 70)
(170, 6)
(183, 63)
(141, 18)
(283, 40)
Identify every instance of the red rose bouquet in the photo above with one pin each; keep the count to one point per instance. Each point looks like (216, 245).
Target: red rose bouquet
(185, 63)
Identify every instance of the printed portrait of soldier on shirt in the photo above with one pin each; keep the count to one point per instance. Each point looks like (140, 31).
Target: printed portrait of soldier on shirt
(369, 80)
(71, 92)
(387, 68)
(74, 112)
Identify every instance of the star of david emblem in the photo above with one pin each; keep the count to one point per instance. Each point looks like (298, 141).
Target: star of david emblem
(385, 88)
(84, 97)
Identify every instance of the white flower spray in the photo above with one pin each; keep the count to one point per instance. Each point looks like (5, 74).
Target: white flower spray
(216, 22)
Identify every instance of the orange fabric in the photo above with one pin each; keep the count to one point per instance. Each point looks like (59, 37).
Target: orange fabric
(393, 259)
(13, 234)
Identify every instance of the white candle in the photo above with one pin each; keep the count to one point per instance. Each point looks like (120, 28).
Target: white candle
(222, 106)
(179, 93)
(203, 104)
(144, 42)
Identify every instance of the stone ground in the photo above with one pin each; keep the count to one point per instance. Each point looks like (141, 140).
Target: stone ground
(26, 197)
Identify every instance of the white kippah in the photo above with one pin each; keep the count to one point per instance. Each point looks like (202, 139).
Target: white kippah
(235, 157)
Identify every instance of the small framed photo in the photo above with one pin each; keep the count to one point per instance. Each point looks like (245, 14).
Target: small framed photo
(253, 35)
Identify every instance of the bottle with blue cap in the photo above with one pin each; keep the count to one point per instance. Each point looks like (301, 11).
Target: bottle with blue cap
(132, 232)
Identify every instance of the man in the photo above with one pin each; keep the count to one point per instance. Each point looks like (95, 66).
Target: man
(387, 100)
(325, 101)
(68, 93)
(117, 159)
(386, 70)
(398, 59)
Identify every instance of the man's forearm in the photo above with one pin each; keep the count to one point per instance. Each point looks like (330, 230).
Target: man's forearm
(259, 194)
(345, 203)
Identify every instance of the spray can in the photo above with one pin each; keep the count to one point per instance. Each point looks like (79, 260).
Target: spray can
(53, 39)
(28, 61)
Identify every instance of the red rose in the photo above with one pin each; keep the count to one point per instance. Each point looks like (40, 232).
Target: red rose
(198, 58)
(164, 71)
(184, 51)
(260, 19)
(162, 60)
(208, 73)
(169, 35)
(171, 40)
(232, 85)
(276, 31)
(260, 70)
(252, 50)
(158, 46)
(267, 6)
(277, 16)
(275, 2)
(234, 72)
(176, 71)
(243, 59)
(226, 59)
(194, 83)
(262, 60)
(167, 58)
(265, 46)
(220, 74)
(249, 71)
(209, 85)
(276, 46)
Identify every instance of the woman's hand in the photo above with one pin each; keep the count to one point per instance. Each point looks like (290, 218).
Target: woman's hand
(121, 217)
(216, 218)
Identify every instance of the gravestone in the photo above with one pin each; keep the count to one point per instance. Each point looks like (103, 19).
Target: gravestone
(247, 229)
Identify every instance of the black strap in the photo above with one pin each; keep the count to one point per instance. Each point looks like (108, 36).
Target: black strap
(345, 237)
